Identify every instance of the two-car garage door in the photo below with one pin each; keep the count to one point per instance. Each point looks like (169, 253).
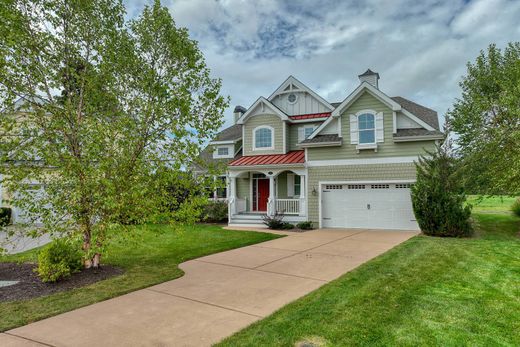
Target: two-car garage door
(374, 206)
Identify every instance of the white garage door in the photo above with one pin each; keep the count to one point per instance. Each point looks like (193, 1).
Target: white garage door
(374, 206)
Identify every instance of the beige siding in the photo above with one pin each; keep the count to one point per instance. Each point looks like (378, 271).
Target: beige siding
(281, 184)
(404, 171)
(388, 148)
(243, 191)
(293, 137)
(271, 120)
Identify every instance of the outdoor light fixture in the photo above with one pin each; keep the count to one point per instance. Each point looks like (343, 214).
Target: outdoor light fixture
(314, 191)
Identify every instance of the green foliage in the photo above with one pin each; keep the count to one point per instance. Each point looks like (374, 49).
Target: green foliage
(276, 222)
(215, 212)
(516, 207)
(110, 106)
(5, 216)
(486, 120)
(307, 225)
(438, 197)
(58, 260)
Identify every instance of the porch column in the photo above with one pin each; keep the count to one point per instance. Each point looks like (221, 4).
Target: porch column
(271, 201)
(303, 198)
(232, 196)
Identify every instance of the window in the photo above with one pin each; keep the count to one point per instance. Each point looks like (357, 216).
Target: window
(292, 98)
(221, 151)
(308, 131)
(297, 185)
(221, 187)
(304, 132)
(263, 138)
(367, 128)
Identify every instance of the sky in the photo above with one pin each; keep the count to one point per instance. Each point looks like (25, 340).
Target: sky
(419, 48)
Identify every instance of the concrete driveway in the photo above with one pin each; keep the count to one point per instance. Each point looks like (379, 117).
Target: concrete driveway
(219, 294)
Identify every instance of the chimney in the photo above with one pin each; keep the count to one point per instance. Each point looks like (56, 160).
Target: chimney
(238, 112)
(370, 77)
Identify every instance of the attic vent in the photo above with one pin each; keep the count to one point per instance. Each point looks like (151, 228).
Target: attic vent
(379, 186)
(333, 186)
(403, 185)
(356, 186)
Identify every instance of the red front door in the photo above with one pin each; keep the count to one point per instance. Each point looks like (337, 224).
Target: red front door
(263, 194)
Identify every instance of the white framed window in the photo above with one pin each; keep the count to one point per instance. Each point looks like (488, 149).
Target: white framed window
(305, 131)
(263, 138)
(367, 128)
(225, 151)
(294, 185)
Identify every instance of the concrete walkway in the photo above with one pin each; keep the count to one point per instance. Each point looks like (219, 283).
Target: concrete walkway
(219, 294)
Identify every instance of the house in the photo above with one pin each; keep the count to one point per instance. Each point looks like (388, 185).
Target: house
(346, 164)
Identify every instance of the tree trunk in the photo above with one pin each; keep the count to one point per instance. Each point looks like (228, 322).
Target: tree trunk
(96, 260)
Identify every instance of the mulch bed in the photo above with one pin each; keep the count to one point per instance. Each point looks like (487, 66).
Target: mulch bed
(30, 285)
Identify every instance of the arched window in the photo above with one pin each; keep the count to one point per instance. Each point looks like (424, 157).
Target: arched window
(367, 128)
(263, 137)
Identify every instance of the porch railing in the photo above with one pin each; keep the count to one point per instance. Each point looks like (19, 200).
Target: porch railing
(288, 206)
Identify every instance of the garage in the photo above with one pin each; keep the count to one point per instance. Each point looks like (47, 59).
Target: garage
(367, 205)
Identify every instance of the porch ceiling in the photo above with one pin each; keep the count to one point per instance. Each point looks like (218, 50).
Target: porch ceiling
(293, 157)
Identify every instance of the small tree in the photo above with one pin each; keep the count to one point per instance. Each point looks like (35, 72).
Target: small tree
(438, 197)
(112, 110)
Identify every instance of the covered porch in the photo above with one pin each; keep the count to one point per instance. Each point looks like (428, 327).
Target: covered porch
(254, 192)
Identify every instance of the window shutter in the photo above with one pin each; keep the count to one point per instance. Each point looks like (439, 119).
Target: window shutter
(301, 134)
(380, 130)
(290, 184)
(354, 136)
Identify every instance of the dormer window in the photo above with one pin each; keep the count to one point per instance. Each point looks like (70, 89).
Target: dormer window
(263, 138)
(367, 128)
(222, 151)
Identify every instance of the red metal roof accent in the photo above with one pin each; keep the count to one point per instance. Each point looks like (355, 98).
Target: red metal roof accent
(310, 116)
(293, 157)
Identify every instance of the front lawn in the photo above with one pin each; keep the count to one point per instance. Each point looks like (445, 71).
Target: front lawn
(148, 259)
(427, 291)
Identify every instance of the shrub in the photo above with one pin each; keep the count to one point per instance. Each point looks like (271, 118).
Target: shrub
(58, 260)
(5, 216)
(516, 207)
(215, 212)
(438, 197)
(276, 222)
(307, 225)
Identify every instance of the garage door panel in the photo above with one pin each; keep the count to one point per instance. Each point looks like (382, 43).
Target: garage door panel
(378, 206)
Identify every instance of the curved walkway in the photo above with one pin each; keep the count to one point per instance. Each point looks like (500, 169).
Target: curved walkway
(218, 295)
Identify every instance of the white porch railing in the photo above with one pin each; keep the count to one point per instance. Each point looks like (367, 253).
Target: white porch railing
(288, 206)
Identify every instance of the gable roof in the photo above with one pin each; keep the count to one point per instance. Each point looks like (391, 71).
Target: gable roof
(232, 133)
(302, 87)
(264, 102)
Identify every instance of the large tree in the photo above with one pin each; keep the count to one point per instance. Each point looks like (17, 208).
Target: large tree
(486, 121)
(99, 111)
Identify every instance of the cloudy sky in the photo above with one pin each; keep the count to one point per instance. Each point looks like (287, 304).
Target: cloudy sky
(419, 48)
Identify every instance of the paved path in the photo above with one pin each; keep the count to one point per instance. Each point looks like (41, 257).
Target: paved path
(219, 294)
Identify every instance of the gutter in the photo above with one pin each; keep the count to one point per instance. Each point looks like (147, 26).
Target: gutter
(417, 138)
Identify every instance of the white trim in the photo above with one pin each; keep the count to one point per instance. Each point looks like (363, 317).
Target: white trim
(417, 120)
(320, 128)
(364, 161)
(357, 92)
(308, 120)
(295, 95)
(418, 138)
(303, 88)
(228, 142)
(254, 138)
(394, 122)
(321, 183)
(263, 102)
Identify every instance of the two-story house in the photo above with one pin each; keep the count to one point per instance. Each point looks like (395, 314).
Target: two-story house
(347, 164)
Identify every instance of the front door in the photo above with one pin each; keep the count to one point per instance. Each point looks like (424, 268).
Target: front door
(263, 194)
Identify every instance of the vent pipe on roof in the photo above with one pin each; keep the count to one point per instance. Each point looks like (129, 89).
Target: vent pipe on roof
(371, 77)
(238, 112)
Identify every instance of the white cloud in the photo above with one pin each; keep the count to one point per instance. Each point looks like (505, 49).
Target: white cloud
(420, 48)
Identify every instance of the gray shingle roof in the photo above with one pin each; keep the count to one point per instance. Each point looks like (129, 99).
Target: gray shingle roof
(416, 132)
(425, 114)
(234, 132)
(323, 138)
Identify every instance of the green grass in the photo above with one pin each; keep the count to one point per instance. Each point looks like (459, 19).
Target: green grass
(491, 204)
(150, 259)
(425, 292)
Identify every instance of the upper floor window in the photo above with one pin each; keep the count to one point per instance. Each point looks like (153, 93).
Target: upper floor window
(263, 138)
(367, 128)
(223, 151)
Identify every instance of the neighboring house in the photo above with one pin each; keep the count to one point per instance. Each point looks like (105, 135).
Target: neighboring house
(348, 164)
